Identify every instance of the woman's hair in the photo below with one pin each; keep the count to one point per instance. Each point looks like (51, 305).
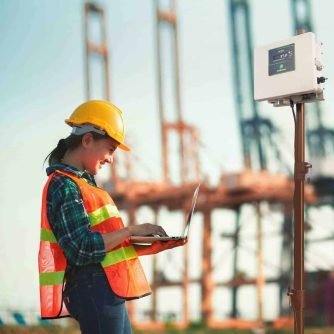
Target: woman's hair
(68, 144)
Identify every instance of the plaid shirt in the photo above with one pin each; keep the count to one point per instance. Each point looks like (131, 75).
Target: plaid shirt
(69, 220)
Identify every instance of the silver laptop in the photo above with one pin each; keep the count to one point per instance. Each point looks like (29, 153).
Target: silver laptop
(151, 238)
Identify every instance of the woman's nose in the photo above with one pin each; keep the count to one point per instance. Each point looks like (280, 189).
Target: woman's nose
(110, 159)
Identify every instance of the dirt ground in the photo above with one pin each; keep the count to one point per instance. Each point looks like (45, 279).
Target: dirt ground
(74, 330)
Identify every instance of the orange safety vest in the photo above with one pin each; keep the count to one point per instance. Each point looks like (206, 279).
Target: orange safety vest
(121, 265)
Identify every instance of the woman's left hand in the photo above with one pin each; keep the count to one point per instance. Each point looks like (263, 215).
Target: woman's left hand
(158, 246)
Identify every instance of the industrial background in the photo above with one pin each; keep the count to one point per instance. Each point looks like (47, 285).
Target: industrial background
(182, 73)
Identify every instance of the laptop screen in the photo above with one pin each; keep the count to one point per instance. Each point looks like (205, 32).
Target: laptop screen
(191, 212)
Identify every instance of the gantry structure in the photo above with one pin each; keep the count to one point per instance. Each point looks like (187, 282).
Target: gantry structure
(319, 136)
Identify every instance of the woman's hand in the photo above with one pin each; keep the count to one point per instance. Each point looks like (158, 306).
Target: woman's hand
(158, 246)
(147, 229)
(113, 239)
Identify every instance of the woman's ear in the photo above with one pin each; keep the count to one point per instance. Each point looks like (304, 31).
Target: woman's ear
(87, 139)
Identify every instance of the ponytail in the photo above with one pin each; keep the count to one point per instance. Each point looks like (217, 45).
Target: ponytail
(57, 154)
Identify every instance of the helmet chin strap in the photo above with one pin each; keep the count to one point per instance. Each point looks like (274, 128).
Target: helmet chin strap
(79, 130)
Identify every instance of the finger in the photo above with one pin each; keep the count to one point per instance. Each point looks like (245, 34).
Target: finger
(170, 244)
(161, 231)
(178, 243)
(184, 241)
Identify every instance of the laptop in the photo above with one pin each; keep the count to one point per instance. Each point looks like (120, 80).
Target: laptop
(151, 238)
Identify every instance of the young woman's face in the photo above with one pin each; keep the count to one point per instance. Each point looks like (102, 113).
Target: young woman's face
(97, 153)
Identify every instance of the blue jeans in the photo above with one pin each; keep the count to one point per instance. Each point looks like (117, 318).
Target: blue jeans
(90, 300)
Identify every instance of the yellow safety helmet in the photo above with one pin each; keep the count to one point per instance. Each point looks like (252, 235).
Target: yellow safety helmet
(104, 115)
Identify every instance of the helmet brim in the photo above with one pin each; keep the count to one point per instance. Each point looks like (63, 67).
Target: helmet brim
(124, 147)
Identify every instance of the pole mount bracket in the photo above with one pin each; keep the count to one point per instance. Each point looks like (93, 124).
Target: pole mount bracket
(301, 169)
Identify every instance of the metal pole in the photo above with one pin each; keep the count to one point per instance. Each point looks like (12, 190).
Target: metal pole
(186, 284)
(104, 52)
(234, 312)
(259, 257)
(163, 128)
(207, 282)
(184, 171)
(298, 282)
(87, 68)
(155, 276)
(286, 263)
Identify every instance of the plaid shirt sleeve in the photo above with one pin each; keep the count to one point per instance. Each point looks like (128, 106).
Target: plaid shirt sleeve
(70, 223)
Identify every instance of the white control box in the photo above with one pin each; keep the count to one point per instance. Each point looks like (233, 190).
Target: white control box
(289, 70)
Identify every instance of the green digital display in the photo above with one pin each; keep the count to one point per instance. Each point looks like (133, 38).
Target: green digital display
(281, 59)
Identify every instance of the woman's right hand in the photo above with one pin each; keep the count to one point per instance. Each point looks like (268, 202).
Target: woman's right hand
(147, 229)
(113, 239)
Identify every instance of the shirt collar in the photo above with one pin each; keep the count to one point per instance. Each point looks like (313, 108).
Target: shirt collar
(70, 169)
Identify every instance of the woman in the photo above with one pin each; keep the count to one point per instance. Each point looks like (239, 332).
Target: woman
(88, 266)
